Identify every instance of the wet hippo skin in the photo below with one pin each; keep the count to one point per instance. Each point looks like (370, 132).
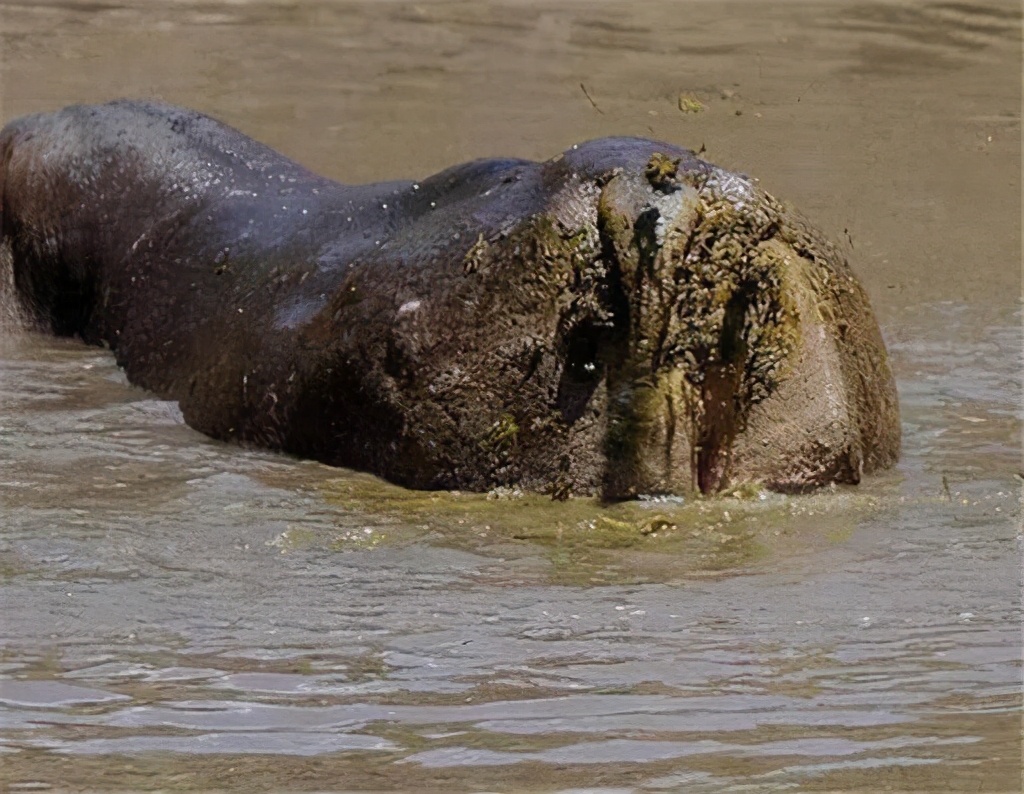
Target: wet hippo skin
(621, 319)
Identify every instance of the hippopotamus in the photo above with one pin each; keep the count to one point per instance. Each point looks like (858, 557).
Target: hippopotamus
(620, 320)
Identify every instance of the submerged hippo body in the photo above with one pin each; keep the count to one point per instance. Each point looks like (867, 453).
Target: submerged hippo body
(622, 319)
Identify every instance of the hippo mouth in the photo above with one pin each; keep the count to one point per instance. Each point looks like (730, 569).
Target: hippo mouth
(706, 328)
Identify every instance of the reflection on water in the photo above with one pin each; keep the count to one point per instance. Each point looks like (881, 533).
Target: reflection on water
(167, 594)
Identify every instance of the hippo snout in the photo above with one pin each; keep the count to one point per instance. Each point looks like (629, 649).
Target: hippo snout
(732, 309)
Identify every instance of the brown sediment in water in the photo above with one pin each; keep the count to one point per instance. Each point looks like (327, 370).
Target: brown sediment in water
(960, 769)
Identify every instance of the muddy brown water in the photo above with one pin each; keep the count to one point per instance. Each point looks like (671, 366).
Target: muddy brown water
(178, 613)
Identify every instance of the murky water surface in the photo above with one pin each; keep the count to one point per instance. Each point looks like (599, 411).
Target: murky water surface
(182, 613)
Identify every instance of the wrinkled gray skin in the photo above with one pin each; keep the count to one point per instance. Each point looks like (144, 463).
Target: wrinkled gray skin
(622, 319)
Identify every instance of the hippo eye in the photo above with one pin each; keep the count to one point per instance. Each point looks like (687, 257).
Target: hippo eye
(581, 354)
(582, 370)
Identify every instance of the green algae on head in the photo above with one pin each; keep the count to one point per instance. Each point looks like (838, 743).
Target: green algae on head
(661, 170)
(502, 434)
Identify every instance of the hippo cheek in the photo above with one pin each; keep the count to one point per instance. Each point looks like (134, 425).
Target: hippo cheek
(832, 414)
(803, 434)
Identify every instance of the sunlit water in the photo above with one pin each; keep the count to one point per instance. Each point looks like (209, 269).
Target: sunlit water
(165, 594)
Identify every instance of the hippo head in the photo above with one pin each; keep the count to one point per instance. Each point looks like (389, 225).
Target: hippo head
(654, 330)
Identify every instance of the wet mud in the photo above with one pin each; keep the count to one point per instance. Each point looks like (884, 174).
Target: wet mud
(179, 613)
